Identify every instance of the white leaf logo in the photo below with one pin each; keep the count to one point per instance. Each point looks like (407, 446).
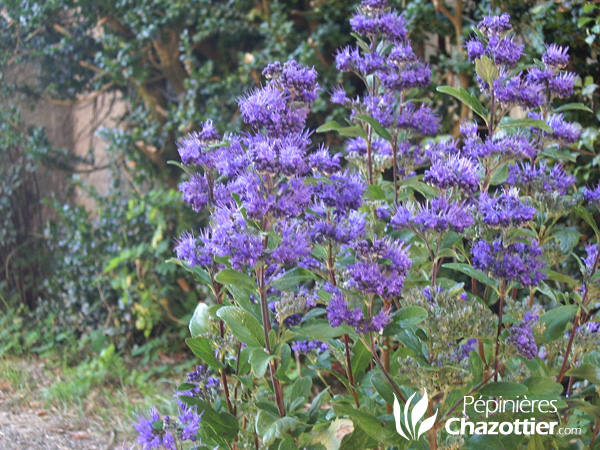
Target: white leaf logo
(407, 428)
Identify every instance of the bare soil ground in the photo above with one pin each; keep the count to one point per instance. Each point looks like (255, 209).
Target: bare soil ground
(26, 424)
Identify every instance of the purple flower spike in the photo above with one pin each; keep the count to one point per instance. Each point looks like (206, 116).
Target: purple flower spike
(556, 57)
(521, 336)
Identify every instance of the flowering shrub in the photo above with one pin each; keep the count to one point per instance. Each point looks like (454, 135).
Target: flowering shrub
(409, 264)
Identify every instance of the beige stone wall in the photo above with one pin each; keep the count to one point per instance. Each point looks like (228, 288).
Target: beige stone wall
(87, 118)
(71, 126)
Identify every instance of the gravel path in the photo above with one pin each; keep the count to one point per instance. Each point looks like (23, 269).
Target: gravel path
(26, 426)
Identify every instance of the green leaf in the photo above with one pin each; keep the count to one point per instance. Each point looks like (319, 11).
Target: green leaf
(476, 365)
(286, 353)
(587, 216)
(204, 350)
(467, 98)
(230, 276)
(376, 192)
(181, 166)
(573, 106)
(486, 69)
(301, 390)
(321, 331)
(568, 238)
(541, 386)
(351, 131)
(483, 442)
(588, 372)
(278, 428)
(535, 443)
(356, 440)
(526, 122)
(382, 386)
(419, 186)
(243, 325)
(470, 271)
(330, 437)
(293, 279)
(377, 127)
(500, 175)
(361, 357)
(503, 389)
(200, 322)
(410, 316)
(332, 125)
(222, 424)
(315, 406)
(287, 443)
(199, 272)
(556, 320)
(373, 426)
(561, 278)
(259, 361)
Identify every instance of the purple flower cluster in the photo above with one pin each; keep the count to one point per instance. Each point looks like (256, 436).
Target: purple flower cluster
(437, 215)
(154, 432)
(521, 337)
(505, 209)
(539, 179)
(453, 172)
(590, 261)
(339, 312)
(336, 228)
(466, 349)
(499, 46)
(530, 88)
(380, 267)
(510, 146)
(195, 149)
(282, 105)
(519, 261)
(309, 346)
(397, 69)
(563, 132)
(592, 195)
(203, 383)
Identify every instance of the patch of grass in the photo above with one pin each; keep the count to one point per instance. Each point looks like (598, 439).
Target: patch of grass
(11, 373)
